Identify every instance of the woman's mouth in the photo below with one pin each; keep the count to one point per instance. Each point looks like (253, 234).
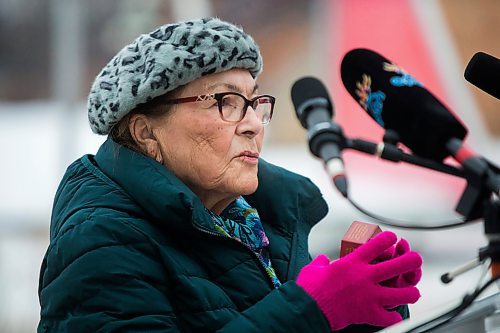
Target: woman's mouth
(249, 157)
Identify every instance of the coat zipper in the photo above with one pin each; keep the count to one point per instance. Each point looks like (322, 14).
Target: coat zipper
(261, 266)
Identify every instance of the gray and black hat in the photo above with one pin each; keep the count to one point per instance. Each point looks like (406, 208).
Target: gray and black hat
(169, 57)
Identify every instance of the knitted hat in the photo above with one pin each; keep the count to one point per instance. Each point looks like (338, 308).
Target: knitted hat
(169, 57)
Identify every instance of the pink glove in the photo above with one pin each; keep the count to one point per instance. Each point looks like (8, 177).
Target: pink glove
(407, 279)
(347, 290)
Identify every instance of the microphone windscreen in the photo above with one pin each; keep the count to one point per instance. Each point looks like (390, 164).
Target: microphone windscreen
(397, 101)
(483, 71)
(307, 88)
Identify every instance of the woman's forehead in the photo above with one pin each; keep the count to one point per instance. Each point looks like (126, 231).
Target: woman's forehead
(237, 80)
(225, 86)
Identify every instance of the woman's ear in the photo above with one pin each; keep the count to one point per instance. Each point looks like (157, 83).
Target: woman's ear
(140, 128)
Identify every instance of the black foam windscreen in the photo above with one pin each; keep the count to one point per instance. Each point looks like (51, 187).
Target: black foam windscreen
(483, 71)
(309, 89)
(397, 101)
(306, 88)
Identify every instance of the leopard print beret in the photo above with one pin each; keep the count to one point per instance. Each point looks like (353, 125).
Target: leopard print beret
(171, 56)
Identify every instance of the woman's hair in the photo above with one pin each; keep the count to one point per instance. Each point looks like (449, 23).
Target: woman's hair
(156, 108)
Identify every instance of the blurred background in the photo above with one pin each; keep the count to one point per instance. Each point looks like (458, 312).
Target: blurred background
(50, 51)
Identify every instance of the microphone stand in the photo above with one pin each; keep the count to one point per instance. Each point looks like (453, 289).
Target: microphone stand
(480, 198)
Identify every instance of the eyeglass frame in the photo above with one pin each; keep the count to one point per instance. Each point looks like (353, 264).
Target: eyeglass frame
(218, 97)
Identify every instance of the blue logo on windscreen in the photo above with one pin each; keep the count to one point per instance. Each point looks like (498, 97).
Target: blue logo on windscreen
(375, 104)
(405, 80)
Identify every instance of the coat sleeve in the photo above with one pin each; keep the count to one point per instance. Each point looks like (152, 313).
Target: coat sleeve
(287, 309)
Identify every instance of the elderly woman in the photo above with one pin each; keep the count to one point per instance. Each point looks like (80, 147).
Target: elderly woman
(177, 225)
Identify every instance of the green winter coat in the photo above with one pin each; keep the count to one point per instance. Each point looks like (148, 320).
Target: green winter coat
(132, 249)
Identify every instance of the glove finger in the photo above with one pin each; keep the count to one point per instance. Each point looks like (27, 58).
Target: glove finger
(392, 297)
(386, 255)
(394, 282)
(320, 260)
(412, 278)
(402, 247)
(386, 270)
(375, 246)
(384, 318)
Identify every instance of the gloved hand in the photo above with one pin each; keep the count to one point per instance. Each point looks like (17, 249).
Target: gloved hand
(407, 279)
(348, 290)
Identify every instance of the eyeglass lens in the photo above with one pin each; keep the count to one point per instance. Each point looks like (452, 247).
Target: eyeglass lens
(233, 108)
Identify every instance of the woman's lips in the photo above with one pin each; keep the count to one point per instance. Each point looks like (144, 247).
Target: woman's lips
(249, 157)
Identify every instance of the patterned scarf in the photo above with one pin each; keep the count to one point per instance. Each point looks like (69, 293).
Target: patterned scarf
(242, 223)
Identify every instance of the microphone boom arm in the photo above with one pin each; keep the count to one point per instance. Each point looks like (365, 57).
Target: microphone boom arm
(390, 152)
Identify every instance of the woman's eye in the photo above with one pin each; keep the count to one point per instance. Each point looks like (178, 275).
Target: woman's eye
(229, 102)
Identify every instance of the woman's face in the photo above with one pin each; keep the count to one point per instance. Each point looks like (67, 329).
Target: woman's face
(216, 159)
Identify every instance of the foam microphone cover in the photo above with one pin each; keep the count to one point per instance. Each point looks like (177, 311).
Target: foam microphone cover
(483, 71)
(396, 101)
(306, 89)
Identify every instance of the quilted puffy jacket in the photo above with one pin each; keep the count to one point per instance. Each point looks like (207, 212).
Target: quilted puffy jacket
(132, 249)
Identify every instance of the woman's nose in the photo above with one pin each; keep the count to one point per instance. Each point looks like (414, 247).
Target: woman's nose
(251, 124)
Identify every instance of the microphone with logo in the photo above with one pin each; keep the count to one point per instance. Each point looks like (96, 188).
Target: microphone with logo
(326, 140)
(398, 102)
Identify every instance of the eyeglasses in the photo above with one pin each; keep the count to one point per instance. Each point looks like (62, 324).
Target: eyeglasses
(233, 106)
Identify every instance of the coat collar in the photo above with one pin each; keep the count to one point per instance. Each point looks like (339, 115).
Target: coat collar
(152, 186)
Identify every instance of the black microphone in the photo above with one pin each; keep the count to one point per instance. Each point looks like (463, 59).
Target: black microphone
(326, 140)
(483, 71)
(398, 102)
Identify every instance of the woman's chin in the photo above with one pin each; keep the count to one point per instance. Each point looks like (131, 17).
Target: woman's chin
(248, 187)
